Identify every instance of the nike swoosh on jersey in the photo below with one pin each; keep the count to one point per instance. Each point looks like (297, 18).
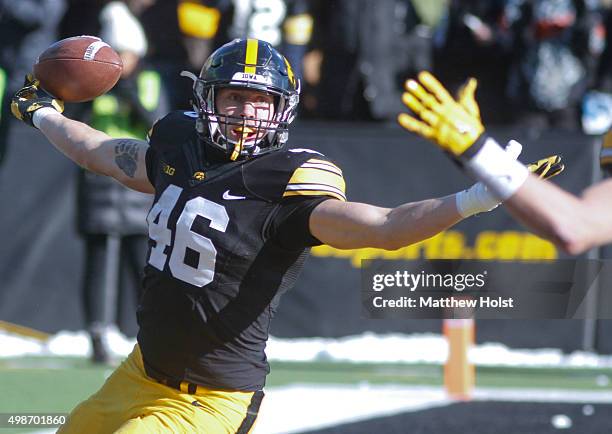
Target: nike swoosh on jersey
(228, 196)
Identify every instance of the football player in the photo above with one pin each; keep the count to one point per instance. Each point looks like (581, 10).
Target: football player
(234, 214)
(573, 223)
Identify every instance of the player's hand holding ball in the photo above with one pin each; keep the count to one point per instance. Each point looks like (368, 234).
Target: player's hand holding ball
(75, 69)
(30, 98)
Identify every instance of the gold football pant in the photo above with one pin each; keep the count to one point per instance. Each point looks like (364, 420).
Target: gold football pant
(130, 402)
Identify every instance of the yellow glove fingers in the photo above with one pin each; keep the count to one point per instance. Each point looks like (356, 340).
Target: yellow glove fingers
(467, 89)
(555, 167)
(449, 110)
(28, 100)
(26, 92)
(414, 125)
(467, 98)
(553, 159)
(439, 117)
(540, 166)
(432, 84)
(415, 105)
(422, 95)
(412, 103)
(58, 105)
(555, 170)
(30, 80)
(15, 111)
(547, 168)
(29, 89)
(539, 170)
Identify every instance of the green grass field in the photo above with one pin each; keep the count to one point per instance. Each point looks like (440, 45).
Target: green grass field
(56, 384)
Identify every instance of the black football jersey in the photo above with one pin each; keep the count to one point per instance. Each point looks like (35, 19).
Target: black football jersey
(226, 241)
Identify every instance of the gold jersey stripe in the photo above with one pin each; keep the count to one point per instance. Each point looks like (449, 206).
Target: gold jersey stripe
(314, 193)
(307, 175)
(251, 56)
(328, 163)
(327, 167)
(306, 188)
(300, 187)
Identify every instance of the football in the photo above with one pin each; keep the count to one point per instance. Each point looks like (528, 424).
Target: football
(78, 69)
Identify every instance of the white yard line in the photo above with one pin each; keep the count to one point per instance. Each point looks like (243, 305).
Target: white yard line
(297, 408)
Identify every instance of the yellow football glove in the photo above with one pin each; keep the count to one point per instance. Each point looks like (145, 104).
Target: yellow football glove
(454, 125)
(548, 167)
(30, 98)
(605, 156)
(466, 97)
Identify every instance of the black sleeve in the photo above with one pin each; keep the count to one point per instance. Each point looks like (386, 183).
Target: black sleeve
(163, 135)
(151, 163)
(288, 224)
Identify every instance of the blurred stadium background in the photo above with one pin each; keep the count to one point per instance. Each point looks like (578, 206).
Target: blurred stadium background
(332, 370)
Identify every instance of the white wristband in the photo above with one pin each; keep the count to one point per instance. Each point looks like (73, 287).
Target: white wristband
(475, 200)
(42, 113)
(501, 173)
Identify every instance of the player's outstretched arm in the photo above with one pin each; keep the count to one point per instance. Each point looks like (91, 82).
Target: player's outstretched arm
(352, 225)
(572, 223)
(122, 159)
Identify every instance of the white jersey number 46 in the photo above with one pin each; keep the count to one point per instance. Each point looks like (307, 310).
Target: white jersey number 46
(185, 237)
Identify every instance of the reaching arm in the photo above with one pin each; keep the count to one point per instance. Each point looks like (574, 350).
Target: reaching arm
(575, 224)
(351, 225)
(122, 159)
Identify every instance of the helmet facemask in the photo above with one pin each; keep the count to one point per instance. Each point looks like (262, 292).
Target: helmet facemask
(259, 135)
(245, 64)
